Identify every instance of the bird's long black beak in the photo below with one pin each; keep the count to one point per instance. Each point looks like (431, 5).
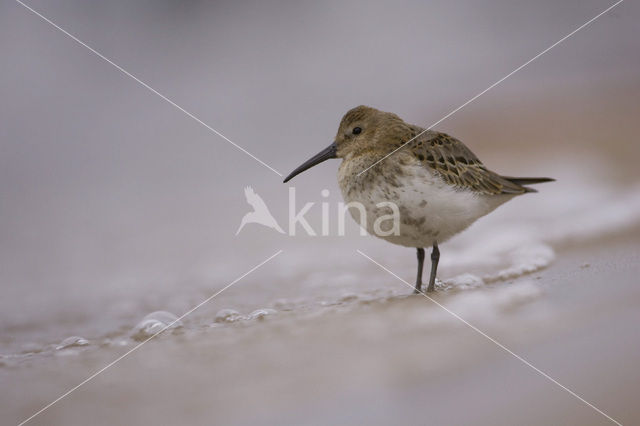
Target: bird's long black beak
(324, 155)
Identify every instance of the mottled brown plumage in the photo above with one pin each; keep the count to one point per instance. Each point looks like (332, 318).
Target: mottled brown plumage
(384, 132)
(437, 184)
(458, 166)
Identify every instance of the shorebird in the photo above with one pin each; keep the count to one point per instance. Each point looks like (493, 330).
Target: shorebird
(260, 213)
(439, 186)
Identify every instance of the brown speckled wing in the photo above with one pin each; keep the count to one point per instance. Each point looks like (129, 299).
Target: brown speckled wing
(458, 166)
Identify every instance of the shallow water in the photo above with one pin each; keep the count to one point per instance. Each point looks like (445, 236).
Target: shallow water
(316, 334)
(326, 361)
(516, 241)
(118, 215)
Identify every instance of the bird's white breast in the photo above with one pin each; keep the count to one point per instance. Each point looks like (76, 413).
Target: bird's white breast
(430, 209)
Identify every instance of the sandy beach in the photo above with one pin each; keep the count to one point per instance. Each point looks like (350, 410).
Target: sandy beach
(119, 213)
(377, 360)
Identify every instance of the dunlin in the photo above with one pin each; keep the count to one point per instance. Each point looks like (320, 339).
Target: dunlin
(439, 186)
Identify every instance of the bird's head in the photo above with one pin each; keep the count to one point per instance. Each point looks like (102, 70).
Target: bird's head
(362, 130)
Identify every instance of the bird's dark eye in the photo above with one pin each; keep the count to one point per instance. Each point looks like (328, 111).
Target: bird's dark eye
(356, 130)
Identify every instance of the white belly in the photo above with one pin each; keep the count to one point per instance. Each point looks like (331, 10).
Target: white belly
(430, 210)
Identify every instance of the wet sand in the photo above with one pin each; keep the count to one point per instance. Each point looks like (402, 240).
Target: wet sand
(111, 211)
(552, 276)
(378, 361)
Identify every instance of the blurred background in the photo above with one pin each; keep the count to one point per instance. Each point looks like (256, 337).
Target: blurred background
(114, 204)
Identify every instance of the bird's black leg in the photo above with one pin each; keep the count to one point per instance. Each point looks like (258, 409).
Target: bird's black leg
(418, 288)
(435, 257)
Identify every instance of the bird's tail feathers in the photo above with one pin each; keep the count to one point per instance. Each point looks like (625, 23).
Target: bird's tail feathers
(522, 181)
(528, 180)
